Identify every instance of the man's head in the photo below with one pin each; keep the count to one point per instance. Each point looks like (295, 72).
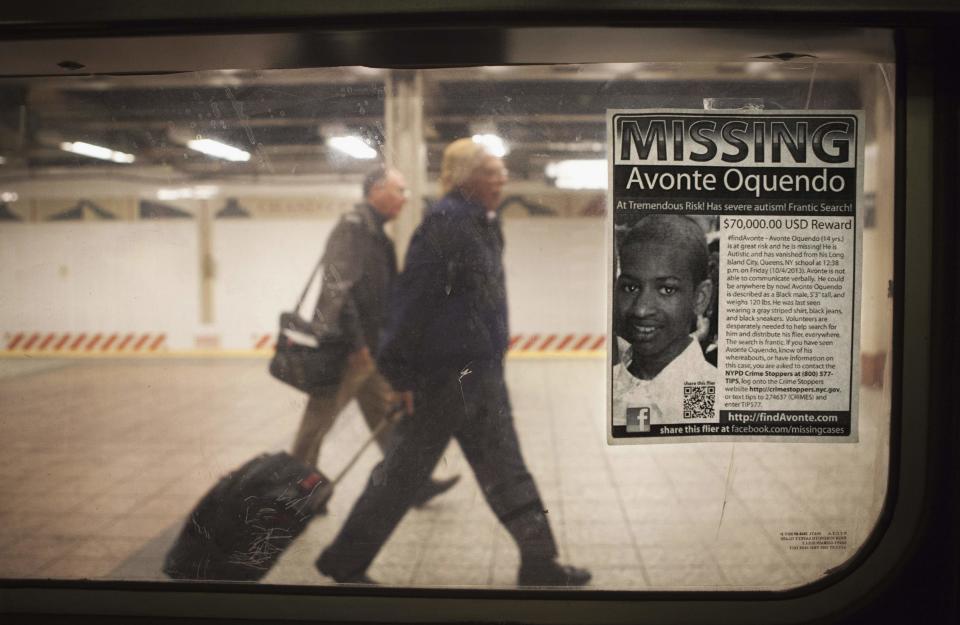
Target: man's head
(470, 168)
(386, 191)
(663, 286)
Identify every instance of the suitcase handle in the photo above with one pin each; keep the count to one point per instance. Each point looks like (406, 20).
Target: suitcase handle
(395, 413)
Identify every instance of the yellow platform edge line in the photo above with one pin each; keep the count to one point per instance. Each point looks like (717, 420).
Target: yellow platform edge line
(254, 353)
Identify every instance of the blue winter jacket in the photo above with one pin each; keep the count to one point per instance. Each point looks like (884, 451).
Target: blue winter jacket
(449, 306)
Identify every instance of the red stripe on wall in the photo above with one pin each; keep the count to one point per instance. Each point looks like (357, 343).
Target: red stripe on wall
(46, 341)
(106, 346)
(533, 339)
(124, 342)
(15, 340)
(547, 341)
(582, 342)
(103, 342)
(61, 343)
(157, 342)
(564, 342)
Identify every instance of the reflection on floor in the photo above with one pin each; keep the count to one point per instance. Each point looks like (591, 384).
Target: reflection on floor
(102, 460)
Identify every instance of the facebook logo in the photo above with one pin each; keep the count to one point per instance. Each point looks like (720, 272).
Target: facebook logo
(638, 419)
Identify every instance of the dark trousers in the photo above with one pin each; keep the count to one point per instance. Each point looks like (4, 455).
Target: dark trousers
(474, 407)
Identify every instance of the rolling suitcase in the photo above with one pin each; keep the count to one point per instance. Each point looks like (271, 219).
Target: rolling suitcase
(241, 527)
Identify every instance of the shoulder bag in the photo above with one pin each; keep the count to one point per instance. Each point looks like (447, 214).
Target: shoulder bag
(303, 359)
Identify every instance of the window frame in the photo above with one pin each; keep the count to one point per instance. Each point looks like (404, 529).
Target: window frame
(914, 430)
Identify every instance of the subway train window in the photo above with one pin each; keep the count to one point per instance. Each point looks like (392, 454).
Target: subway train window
(341, 326)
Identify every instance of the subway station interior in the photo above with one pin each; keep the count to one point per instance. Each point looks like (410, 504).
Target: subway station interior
(154, 226)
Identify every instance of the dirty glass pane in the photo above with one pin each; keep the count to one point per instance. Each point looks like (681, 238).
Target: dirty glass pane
(155, 227)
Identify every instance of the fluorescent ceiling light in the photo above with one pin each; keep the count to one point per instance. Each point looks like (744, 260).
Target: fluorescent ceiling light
(579, 173)
(2, 160)
(493, 143)
(353, 145)
(96, 151)
(202, 192)
(8, 196)
(219, 150)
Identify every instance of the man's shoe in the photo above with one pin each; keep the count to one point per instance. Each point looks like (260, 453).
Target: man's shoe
(551, 573)
(356, 578)
(362, 578)
(433, 488)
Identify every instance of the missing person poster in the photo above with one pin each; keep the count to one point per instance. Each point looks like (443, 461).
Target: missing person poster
(735, 249)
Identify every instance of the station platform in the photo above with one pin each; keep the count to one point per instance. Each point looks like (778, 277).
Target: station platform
(102, 459)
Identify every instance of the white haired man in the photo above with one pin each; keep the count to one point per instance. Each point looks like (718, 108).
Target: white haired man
(443, 348)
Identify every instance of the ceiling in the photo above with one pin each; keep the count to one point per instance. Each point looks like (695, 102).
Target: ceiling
(284, 118)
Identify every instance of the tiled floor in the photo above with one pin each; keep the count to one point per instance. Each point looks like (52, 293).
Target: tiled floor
(101, 460)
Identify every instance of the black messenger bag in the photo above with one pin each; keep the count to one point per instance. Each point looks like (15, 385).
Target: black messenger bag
(303, 359)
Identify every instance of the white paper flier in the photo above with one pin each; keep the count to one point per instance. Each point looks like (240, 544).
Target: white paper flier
(735, 245)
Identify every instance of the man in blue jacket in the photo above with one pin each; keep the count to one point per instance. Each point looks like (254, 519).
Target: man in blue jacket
(443, 348)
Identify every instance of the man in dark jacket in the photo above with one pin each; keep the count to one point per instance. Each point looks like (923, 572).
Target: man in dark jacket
(359, 268)
(443, 348)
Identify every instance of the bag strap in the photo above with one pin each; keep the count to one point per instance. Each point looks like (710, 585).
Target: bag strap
(306, 287)
(313, 275)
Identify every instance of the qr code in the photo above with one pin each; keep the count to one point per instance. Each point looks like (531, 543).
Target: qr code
(698, 400)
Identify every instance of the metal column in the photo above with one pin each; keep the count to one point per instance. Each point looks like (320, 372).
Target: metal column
(405, 149)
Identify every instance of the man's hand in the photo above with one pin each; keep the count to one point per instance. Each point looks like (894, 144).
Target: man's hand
(406, 398)
(360, 359)
(401, 405)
